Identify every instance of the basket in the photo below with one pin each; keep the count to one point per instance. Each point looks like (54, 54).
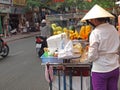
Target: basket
(50, 59)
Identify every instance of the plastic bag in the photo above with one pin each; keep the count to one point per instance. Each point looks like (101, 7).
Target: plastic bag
(67, 51)
(49, 73)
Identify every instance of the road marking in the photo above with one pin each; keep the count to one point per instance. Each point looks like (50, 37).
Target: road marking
(17, 53)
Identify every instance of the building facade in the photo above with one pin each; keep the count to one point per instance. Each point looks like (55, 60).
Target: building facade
(11, 12)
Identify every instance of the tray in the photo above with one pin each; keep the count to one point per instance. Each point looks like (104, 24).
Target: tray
(50, 59)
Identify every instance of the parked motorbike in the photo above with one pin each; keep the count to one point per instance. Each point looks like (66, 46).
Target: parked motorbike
(4, 48)
(41, 43)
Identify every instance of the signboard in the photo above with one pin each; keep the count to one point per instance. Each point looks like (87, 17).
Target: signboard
(56, 17)
(19, 2)
(6, 1)
(17, 10)
(4, 8)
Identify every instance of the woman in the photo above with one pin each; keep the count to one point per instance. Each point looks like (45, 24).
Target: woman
(103, 50)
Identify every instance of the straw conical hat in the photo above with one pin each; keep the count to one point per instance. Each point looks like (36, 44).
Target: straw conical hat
(97, 12)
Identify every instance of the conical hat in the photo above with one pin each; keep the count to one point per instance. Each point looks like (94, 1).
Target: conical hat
(96, 12)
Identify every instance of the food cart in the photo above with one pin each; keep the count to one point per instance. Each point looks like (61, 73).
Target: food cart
(67, 73)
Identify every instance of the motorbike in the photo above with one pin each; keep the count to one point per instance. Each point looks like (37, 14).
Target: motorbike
(4, 48)
(41, 43)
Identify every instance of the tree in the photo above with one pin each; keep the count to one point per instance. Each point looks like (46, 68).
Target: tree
(38, 3)
(83, 4)
(32, 4)
(80, 4)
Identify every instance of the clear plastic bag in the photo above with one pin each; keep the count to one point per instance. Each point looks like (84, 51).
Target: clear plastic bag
(67, 51)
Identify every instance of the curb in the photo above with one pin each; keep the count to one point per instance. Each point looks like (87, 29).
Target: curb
(17, 37)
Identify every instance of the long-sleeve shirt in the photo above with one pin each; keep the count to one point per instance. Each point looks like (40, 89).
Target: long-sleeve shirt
(46, 31)
(104, 43)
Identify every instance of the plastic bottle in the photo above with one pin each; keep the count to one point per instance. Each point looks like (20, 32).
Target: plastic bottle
(46, 54)
(62, 45)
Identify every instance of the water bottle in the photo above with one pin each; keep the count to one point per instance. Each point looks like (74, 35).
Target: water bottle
(62, 42)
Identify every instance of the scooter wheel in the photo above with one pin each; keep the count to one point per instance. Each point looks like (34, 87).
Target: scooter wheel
(5, 51)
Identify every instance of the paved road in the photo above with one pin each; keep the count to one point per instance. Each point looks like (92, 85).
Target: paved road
(37, 81)
(22, 69)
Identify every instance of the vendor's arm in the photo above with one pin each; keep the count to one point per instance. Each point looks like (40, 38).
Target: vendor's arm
(93, 47)
(119, 50)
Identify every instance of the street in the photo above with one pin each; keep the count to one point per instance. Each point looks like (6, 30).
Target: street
(22, 69)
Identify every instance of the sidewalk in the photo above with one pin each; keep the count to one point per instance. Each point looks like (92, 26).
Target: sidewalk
(20, 36)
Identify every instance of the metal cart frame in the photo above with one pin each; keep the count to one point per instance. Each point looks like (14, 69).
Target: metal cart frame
(69, 67)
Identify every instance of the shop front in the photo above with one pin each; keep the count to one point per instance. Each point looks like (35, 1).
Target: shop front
(4, 15)
(16, 16)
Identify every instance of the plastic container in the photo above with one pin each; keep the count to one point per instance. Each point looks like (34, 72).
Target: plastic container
(83, 42)
(50, 59)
